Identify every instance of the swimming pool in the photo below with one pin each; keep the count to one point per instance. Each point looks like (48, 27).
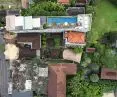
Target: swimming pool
(61, 20)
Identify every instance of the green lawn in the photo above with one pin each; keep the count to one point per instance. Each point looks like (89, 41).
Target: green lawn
(105, 20)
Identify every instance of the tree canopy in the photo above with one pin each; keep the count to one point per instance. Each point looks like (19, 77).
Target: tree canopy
(45, 9)
(78, 87)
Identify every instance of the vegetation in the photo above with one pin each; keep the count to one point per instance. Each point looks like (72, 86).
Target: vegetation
(78, 50)
(86, 83)
(57, 42)
(2, 47)
(94, 77)
(78, 87)
(45, 9)
(38, 1)
(103, 22)
(44, 40)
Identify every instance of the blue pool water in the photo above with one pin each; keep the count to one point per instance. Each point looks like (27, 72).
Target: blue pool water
(61, 20)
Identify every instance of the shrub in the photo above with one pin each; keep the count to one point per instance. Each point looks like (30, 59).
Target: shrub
(84, 64)
(94, 67)
(78, 50)
(94, 78)
(57, 42)
(88, 60)
(45, 26)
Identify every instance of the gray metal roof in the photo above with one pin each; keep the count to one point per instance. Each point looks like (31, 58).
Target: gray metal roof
(22, 94)
(48, 30)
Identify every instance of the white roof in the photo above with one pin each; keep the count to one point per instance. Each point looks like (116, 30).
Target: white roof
(28, 85)
(108, 94)
(19, 21)
(43, 72)
(36, 22)
(10, 22)
(85, 20)
(28, 22)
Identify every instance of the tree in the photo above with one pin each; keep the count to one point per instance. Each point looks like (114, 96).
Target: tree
(45, 9)
(38, 1)
(77, 86)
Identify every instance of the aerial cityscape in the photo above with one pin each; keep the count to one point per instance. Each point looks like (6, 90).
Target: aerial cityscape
(58, 48)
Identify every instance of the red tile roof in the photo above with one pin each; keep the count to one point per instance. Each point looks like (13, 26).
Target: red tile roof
(107, 73)
(57, 79)
(63, 1)
(75, 37)
(90, 50)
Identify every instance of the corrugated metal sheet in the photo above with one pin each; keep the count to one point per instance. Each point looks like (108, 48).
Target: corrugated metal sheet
(36, 23)
(10, 22)
(19, 21)
(28, 22)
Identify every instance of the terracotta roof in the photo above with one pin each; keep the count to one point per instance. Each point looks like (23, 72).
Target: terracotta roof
(30, 37)
(107, 73)
(75, 37)
(57, 78)
(90, 50)
(63, 1)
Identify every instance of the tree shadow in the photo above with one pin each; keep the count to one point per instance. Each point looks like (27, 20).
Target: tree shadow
(113, 2)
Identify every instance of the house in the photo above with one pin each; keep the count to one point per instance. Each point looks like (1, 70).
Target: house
(74, 38)
(74, 11)
(81, 3)
(90, 50)
(70, 55)
(29, 44)
(108, 74)
(57, 78)
(22, 23)
(29, 24)
(64, 2)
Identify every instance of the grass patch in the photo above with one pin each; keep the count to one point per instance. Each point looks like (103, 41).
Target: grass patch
(104, 20)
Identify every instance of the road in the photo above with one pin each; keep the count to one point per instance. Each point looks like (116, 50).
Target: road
(3, 72)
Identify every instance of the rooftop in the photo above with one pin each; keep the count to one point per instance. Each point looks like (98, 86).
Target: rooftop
(107, 73)
(72, 11)
(63, 1)
(75, 37)
(32, 38)
(57, 78)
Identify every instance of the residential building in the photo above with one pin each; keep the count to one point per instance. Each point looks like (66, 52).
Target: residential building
(108, 74)
(74, 38)
(30, 24)
(29, 43)
(74, 11)
(57, 78)
(64, 2)
(81, 3)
